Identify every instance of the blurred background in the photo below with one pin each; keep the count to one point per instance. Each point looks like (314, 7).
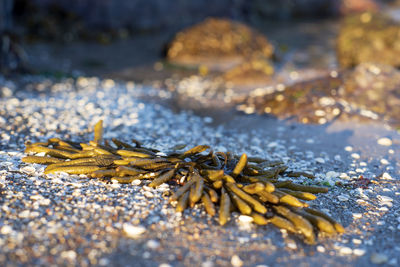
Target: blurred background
(45, 33)
(247, 52)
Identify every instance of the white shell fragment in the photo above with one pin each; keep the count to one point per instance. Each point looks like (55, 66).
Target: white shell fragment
(133, 231)
(236, 261)
(343, 197)
(384, 141)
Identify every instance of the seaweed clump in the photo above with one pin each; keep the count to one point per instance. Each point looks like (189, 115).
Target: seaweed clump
(222, 182)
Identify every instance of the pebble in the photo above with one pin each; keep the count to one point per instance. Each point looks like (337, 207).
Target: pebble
(355, 155)
(384, 161)
(338, 158)
(387, 176)
(292, 245)
(273, 144)
(245, 219)
(320, 160)
(343, 197)
(243, 240)
(153, 244)
(136, 182)
(104, 262)
(310, 141)
(344, 176)
(348, 148)
(346, 251)
(384, 198)
(6, 229)
(24, 214)
(44, 202)
(332, 175)
(207, 264)
(36, 197)
(358, 251)
(28, 170)
(148, 194)
(384, 141)
(379, 258)
(236, 261)
(146, 255)
(69, 255)
(208, 119)
(133, 231)
(368, 242)
(393, 262)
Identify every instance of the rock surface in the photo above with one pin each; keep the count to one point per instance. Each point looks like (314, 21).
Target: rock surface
(370, 91)
(219, 44)
(375, 87)
(369, 37)
(308, 102)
